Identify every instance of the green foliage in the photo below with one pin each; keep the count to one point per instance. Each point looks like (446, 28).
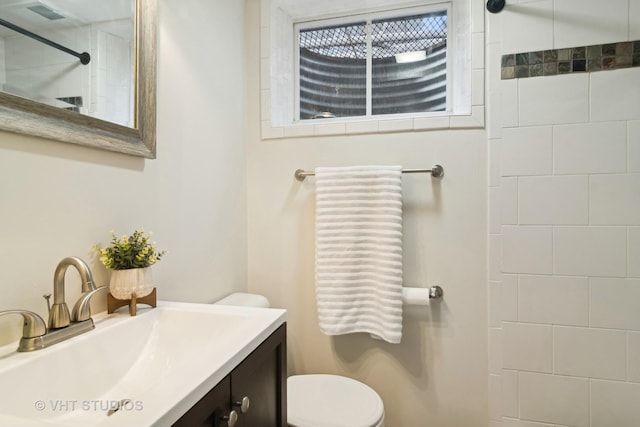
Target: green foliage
(135, 251)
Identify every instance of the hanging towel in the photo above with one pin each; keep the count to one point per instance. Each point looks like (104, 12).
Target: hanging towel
(359, 250)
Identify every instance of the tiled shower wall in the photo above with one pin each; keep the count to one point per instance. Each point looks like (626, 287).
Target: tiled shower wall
(564, 222)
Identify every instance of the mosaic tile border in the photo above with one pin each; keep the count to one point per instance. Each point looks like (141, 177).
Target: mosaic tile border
(610, 56)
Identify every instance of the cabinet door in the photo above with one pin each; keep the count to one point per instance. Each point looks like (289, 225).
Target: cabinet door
(209, 410)
(261, 378)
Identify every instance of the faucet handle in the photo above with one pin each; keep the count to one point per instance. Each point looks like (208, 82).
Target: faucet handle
(82, 308)
(33, 326)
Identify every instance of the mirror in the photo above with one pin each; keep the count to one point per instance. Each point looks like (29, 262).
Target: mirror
(80, 71)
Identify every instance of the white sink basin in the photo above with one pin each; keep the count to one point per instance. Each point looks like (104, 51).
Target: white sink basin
(161, 362)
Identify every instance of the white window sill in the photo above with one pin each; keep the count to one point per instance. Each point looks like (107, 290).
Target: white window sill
(475, 120)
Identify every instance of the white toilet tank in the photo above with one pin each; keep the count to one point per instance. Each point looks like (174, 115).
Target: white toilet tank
(245, 300)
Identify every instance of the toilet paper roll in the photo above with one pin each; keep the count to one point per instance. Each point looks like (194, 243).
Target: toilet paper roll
(415, 296)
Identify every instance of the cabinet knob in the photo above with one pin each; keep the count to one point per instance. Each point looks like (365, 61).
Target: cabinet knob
(243, 404)
(231, 419)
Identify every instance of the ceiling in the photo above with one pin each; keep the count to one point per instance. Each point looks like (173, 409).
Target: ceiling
(76, 13)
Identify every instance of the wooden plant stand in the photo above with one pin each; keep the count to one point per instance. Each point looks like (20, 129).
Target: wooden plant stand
(113, 303)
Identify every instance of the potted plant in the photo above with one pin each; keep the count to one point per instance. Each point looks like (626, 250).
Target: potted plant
(130, 259)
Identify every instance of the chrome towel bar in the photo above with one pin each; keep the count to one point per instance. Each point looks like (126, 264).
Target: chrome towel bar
(436, 171)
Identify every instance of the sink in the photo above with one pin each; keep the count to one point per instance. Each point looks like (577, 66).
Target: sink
(145, 370)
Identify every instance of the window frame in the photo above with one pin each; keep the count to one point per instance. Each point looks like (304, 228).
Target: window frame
(368, 17)
(276, 80)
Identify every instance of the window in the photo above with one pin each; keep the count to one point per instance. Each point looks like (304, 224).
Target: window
(405, 66)
(373, 65)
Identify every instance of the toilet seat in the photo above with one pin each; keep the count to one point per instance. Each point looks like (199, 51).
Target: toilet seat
(332, 401)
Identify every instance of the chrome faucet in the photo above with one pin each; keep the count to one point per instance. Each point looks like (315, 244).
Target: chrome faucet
(62, 325)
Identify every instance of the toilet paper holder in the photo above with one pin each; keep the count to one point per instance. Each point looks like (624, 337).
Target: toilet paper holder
(421, 296)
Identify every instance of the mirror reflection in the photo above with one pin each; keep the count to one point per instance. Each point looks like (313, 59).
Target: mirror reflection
(77, 55)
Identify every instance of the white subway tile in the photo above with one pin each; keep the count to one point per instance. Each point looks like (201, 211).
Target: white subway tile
(495, 392)
(495, 153)
(634, 145)
(615, 199)
(634, 20)
(615, 95)
(509, 201)
(437, 122)
(590, 148)
(581, 352)
(554, 300)
(329, 129)
(590, 251)
(537, 18)
(554, 399)
(509, 103)
(614, 303)
(495, 304)
(361, 126)
(553, 200)
(614, 404)
(633, 263)
(527, 249)
(495, 245)
(527, 151)
(527, 347)
(554, 99)
(495, 351)
(633, 356)
(577, 24)
(510, 393)
(509, 297)
(477, 50)
(477, 87)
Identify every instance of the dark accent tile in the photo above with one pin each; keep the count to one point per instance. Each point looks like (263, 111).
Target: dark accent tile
(564, 54)
(623, 61)
(550, 69)
(550, 56)
(508, 73)
(636, 46)
(579, 65)
(536, 57)
(594, 52)
(578, 53)
(594, 64)
(609, 49)
(536, 70)
(508, 60)
(635, 60)
(522, 58)
(609, 63)
(522, 71)
(564, 67)
(624, 48)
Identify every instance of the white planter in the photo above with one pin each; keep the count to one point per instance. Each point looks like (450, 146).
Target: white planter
(124, 283)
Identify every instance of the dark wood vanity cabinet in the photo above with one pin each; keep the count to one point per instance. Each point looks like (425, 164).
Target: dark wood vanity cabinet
(260, 379)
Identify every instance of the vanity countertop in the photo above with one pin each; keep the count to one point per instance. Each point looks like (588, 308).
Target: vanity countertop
(152, 367)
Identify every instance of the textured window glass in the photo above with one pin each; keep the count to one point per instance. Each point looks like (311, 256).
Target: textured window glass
(333, 71)
(409, 64)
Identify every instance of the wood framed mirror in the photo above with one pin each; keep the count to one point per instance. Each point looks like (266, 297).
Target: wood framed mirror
(27, 116)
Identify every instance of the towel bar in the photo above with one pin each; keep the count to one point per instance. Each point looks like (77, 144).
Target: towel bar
(436, 171)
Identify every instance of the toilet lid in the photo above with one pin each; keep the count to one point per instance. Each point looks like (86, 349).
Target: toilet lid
(331, 401)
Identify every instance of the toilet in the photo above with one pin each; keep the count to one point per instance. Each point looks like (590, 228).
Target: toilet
(322, 400)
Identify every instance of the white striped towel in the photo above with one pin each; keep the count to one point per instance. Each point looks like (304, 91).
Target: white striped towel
(359, 250)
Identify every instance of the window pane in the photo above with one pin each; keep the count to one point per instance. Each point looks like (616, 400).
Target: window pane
(333, 71)
(409, 64)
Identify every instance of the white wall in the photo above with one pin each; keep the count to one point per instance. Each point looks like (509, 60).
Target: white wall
(437, 376)
(59, 199)
(564, 197)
